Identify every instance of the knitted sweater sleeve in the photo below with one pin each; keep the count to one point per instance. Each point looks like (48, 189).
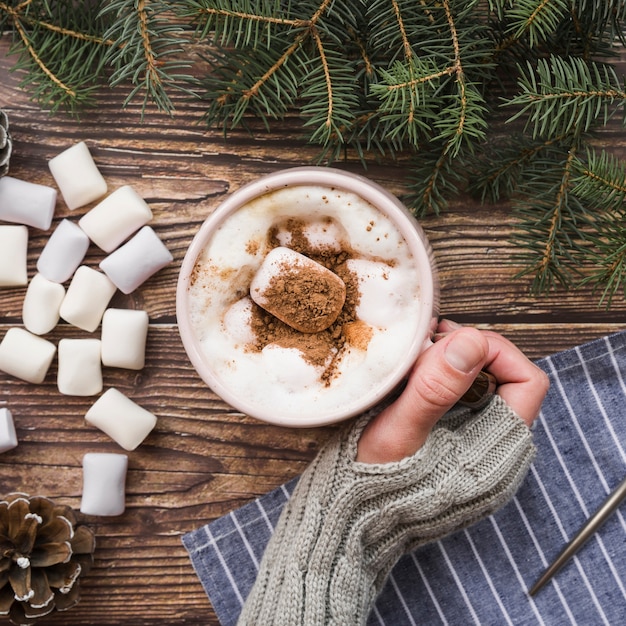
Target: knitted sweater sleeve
(347, 523)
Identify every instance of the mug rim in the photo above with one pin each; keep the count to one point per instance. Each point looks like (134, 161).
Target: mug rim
(381, 199)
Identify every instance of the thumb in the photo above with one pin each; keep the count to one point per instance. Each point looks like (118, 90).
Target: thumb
(442, 374)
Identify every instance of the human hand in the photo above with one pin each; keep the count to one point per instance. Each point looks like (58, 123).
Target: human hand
(440, 377)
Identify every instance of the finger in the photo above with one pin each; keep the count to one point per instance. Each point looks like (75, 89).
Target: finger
(447, 326)
(442, 374)
(521, 383)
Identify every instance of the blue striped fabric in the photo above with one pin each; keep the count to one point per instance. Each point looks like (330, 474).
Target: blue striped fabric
(481, 575)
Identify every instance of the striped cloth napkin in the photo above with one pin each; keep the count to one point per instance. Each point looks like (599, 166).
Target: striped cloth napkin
(481, 575)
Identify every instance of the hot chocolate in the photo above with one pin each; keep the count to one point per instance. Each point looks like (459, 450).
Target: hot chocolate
(304, 300)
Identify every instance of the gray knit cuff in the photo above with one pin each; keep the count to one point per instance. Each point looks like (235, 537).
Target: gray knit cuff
(347, 523)
(470, 465)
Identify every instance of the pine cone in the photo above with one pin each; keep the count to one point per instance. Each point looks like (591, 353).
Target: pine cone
(5, 143)
(43, 551)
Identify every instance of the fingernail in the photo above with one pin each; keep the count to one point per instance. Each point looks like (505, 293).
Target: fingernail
(463, 353)
(451, 324)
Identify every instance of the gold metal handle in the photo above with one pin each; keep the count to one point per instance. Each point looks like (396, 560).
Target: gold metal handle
(483, 387)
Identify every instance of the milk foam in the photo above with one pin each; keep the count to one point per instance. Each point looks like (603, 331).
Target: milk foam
(281, 379)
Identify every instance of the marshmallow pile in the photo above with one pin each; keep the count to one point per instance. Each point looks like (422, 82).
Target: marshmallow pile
(63, 288)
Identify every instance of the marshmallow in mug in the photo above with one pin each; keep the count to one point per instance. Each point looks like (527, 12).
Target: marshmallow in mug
(104, 483)
(138, 259)
(63, 252)
(115, 218)
(26, 203)
(80, 367)
(124, 333)
(40, 309)
(8, 436)
(120, 418)
(315, 296)
(77, 176)
(26, 356)
(13, 256)
(87, 298)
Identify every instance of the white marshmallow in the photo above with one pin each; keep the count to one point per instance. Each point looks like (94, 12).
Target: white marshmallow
(8, 437)
(384, 293)
(124, 333)
(325, 235)
(321, 292)
(289, 367)
(80, 368)
(13, 256)
(237, 321)
(40, 310)
(116, 218)
(25, 355)
(121, 419)
(87, 298)
(77, 176)
(26, 203)
(320, 234)
(63, 252)
(138, 259)
(104, 483)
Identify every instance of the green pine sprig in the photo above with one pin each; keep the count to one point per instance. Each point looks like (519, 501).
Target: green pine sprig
(146, 50)
(561, 96)
(60, 50)
(498, 98)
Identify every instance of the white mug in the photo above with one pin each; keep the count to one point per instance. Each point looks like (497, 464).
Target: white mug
(256, 392)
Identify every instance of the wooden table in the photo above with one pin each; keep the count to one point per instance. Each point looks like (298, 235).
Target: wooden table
(204, 459)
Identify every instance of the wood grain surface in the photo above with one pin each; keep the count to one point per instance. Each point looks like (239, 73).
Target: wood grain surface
(204, 458)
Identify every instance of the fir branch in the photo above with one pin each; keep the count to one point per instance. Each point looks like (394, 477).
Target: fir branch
(609, 256)
(434, 178)
(463, 121)
(536, 19)
(226, 26)
(146, 42)
(433, 81)
(412, 79)
(404, 88)
(302, 62)
(451, 109)
(601, 182)
(30, 21)
(456, 127)
(331, 101)
(562, 96)
(228, 90)
(60, 50)
(499, 169)
(552, 223)
(56, 81)
(603, 20)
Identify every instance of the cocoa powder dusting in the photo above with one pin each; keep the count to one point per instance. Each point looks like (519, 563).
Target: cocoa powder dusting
(252, 247)
(315, 347)
(324, 348)
(358, 334)
(307, 299)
